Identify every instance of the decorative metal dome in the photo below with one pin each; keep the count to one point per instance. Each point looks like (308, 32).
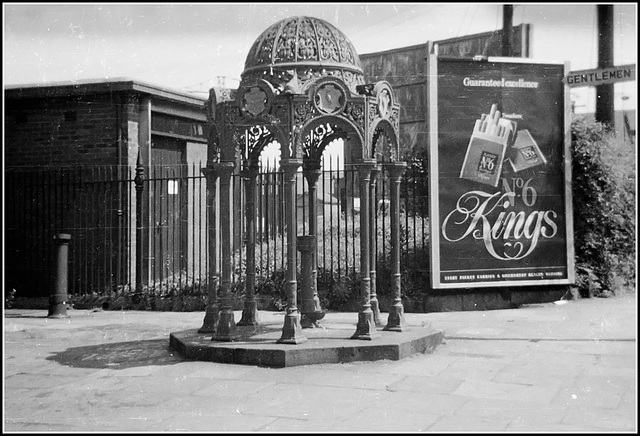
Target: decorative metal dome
(304, 45)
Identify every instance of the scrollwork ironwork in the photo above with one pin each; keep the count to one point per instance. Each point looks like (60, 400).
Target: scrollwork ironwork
(254, 139)
(394, 118)
(307, 44)
(328, 46)
(302, 113)
(372, 112)
(318, 138)
(213, 145)
(355, 112)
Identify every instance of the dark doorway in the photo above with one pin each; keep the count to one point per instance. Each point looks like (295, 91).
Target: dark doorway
(168, 208)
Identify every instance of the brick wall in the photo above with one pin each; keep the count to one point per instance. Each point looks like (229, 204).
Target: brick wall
(50, 132)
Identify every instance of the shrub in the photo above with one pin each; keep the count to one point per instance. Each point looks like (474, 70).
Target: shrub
(604, 204)
(177, 293)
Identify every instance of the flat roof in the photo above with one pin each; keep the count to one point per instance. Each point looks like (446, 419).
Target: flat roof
(99, 86)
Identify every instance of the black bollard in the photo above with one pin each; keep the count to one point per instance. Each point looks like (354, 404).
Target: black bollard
(58, 297)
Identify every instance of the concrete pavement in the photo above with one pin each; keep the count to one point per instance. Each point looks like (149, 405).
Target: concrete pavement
(540, 368)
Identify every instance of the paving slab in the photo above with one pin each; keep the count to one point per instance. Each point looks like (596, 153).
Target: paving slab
(570, 367)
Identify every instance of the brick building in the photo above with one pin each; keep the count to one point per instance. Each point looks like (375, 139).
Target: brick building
(101, 122)
(98, 131)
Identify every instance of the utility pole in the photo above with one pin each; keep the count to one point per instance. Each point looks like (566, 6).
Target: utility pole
(507, 26)
(604, 93)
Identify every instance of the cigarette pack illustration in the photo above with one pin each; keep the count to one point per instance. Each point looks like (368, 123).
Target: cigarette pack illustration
(491, 137)
(525, 152)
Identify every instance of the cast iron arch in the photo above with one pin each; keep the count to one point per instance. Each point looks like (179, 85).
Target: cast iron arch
(257, 137)
(344, 129)
(384, 128)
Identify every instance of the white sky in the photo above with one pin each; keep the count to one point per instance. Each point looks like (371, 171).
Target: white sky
(193, 46)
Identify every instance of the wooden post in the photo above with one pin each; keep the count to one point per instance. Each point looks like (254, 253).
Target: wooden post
(604, 93)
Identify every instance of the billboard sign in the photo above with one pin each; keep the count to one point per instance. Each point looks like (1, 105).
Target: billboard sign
(501, 211)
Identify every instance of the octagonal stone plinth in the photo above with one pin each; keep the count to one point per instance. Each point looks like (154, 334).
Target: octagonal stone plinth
(331, 343)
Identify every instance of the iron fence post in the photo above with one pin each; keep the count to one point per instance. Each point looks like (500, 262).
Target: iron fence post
(139, 183)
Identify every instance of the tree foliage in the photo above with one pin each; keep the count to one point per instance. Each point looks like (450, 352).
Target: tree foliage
(604, 204)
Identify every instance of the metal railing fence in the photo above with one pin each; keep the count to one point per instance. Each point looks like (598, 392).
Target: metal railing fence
(158, 234)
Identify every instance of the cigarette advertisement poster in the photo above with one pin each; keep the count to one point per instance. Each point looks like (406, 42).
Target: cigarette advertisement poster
(501, 169)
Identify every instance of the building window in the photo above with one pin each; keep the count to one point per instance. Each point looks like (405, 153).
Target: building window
(173, 187)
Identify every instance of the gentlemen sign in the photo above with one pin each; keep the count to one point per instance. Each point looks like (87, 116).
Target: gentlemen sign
(603, 76)
(501, 211)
